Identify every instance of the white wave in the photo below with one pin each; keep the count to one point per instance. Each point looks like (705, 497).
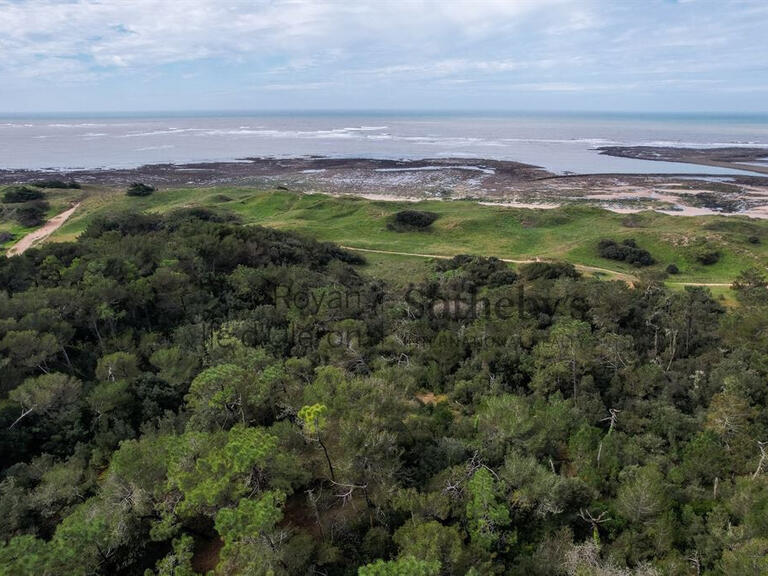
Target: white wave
(592, 141)
(163, 147)
(88, 125)
(366, 128)
(432, 168)
(161, 132)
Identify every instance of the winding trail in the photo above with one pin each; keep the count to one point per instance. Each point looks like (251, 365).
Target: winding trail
(42, 233)
(628, 278)
(701, 283)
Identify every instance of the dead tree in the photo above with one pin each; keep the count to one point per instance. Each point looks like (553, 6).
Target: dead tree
(612, 417)
(763, 455)
(594, 521)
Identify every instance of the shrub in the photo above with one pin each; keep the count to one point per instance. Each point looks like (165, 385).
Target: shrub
(673, 269)
(181, 216)
(32, 213)
(548, 270)
(61, 184)
(502, 278)
(479, 269)
(140, 189)
(5, 237)
(125, 222)
(412, 220)
(628, 251)
(709, 257)
(753, 240)
(19, 194)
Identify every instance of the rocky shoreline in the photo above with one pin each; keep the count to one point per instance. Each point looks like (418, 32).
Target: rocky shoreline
(739, 158)
(490, 181)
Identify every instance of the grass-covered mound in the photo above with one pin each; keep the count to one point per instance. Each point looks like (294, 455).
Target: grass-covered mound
(569, 233)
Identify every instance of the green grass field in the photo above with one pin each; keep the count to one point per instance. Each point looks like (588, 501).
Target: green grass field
(570, 233)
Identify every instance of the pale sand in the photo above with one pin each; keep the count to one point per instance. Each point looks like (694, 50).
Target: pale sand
(41, 233)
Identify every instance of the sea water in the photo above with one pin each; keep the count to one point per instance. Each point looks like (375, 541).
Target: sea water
(559, 142)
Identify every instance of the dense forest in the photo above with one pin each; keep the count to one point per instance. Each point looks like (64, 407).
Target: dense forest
(183, 394)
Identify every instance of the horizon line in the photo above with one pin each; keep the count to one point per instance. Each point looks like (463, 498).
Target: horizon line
(375, 111)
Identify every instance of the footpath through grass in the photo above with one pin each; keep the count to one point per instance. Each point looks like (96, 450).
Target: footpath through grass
(59, 200)
(569, 233)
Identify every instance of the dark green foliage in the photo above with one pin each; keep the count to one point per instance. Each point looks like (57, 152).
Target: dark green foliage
(61, 184)
(627, 251)
(31, 213)
(753, 240)
(708, 257)
(140, 189)
(412, 220)
(672, 269)
(751, 287)
(548, 270)
(181, 392)
(479, 270)
(20, 194)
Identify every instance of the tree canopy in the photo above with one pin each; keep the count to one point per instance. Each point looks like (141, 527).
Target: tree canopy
(181, 394)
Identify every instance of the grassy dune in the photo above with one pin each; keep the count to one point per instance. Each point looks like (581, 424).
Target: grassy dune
(570, 233)
(59, 201)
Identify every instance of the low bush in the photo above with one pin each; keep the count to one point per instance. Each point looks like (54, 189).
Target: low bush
(19, 194)
(673, 269)
(479, 269)
(708, 257)
(140, 189)
(412, 220)
(60, 184)
(32, 213)
(548, 270)
(626, 251)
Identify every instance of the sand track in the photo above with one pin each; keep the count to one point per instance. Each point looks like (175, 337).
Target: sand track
(628, 278)
(42, 233)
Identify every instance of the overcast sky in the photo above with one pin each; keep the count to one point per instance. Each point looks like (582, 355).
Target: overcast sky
(643, 55)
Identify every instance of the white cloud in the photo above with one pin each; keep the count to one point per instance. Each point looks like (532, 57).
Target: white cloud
(145, 33)
(377, 46)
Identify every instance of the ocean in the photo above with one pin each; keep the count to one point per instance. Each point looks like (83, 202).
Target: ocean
(560, 143)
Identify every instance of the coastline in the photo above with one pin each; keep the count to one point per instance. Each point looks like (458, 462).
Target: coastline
(750, 159)
(499, 182)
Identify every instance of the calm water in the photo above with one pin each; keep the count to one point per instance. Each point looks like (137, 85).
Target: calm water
(560, 143)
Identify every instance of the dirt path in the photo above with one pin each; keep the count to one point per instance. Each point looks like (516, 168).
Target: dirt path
(619, 275)
(628, 278)
(41, 233)
(701, 283)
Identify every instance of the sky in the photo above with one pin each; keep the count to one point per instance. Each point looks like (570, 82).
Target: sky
(185, 55)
